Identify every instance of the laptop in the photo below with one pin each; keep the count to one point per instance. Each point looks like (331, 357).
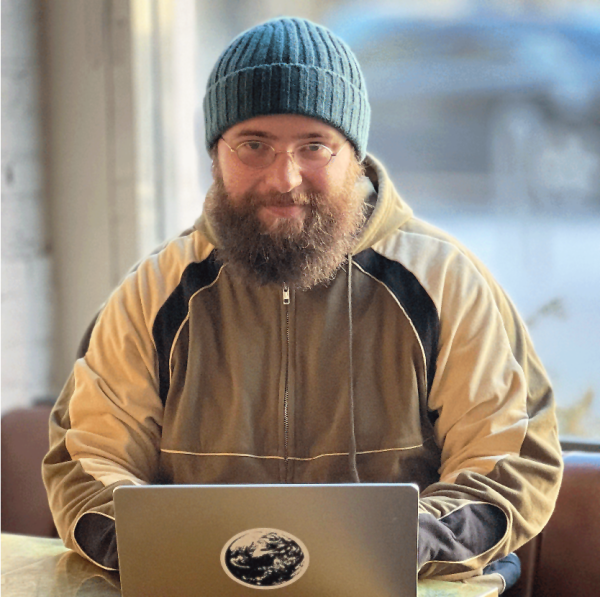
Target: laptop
(351, 540)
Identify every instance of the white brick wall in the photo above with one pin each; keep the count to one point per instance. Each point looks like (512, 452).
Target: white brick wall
(26, 263)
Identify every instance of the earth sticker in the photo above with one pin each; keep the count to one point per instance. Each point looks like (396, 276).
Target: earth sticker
(264, 558)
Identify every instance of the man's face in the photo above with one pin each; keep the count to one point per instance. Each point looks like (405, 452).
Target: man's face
(284, 132)
(285, 223)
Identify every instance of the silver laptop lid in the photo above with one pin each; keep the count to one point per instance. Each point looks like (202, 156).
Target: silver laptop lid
(232, 540)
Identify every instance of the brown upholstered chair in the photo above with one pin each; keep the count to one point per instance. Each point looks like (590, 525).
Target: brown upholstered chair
(568, 561)
(564, 559)
(25, 507)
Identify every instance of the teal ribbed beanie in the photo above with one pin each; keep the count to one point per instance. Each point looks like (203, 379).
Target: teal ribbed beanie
(288, 66)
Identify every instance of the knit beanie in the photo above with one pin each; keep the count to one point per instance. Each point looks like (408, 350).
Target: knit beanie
(288, 66)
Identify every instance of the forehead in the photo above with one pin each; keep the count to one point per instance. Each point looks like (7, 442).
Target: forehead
(285, 127)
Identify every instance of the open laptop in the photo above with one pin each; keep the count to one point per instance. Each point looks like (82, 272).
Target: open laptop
(356, 540)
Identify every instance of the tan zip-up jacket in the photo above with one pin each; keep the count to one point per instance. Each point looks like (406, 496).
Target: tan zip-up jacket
(191, 376)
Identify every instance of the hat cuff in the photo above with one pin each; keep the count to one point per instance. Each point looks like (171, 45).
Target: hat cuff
(287, 89)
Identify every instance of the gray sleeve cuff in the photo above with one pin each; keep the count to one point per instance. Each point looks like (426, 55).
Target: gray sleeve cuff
(461, 535)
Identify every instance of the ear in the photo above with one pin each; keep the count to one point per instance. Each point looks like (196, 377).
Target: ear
(214, 156)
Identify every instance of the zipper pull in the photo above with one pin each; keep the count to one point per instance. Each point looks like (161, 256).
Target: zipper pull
(286, 294)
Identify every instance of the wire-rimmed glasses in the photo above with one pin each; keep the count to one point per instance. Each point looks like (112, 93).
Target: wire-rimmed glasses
(259, 155)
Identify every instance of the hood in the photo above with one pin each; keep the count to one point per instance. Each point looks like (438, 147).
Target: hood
(389, 212)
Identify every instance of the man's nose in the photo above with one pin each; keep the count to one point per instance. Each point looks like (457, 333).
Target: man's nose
(283, 175)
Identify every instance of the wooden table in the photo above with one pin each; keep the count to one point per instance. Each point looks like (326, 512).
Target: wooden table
(38, 567)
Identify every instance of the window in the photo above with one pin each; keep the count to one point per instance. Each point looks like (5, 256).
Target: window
(493, 138)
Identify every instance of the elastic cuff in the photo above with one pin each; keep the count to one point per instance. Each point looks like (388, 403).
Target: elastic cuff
(96, 537)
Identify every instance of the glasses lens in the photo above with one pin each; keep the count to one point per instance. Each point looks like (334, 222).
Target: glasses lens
(312, 156)
(256, 154)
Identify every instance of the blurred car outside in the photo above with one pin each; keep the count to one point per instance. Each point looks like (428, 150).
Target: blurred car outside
(484, 113)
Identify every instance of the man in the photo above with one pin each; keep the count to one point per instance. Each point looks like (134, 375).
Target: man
(309, 329)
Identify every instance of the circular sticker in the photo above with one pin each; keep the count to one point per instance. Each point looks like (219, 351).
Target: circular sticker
(264, 558)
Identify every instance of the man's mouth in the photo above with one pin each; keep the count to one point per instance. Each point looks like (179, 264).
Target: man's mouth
(285, 210)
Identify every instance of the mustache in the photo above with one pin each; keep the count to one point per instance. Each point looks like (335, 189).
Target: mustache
(281, 199)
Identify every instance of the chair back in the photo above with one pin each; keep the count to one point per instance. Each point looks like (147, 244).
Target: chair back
(25, 507)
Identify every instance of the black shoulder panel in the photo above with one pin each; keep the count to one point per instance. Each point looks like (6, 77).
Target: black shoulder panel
(415, 300)
(174, 311)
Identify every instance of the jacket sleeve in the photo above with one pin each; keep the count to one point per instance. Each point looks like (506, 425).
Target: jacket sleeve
(105, 427)
(501, 462)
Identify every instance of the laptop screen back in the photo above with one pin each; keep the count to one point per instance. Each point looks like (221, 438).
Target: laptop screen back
(228, 540)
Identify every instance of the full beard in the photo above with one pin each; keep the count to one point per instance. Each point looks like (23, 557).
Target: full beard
(298, 252)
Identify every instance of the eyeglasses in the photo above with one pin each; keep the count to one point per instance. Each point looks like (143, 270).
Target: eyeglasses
(258, 155)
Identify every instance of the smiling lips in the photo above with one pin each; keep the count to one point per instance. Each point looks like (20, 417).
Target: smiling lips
(285, 211)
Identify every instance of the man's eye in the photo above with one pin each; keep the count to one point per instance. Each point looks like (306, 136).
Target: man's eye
(312, 149)
(255, 146)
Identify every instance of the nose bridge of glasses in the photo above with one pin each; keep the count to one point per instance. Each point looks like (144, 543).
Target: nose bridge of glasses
(283, 174)
(287, 167)
(289, 153)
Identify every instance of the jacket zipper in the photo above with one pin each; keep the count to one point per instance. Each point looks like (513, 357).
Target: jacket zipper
(286, 393)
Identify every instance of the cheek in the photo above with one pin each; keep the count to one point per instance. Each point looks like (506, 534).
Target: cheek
(236, 180)
(322, 181)
(329, 179)
(341, 168)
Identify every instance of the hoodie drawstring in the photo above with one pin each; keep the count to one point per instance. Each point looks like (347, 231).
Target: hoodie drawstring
(352, 452)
